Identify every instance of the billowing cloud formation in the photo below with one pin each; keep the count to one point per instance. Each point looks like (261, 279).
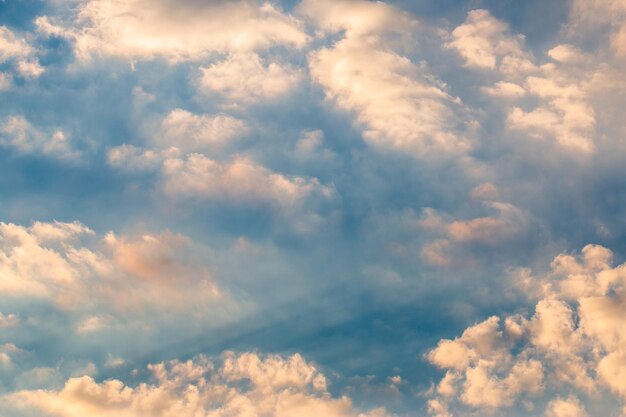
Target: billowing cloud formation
(347, 179)
(192, 133)
(8, 320)
(397, 102)
(563, 113)
(239, 180)
(63, 263)
(241, 385)
(573, 341)
(17, 133)
(483, 42)
(21, 53)
(184, 153)
(175, 30)
(608, 15)
(244, 78)
(451, 237)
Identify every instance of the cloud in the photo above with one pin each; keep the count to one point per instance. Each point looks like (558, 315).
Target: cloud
(242, 384)
(244, 78)
(69, 265)
(20, 52)
(573, 341)
(566, 114)
(239, 180)
(310, 147)
(173, 30)
(544, 101)
(178, 133)
(356, 17)
(17, 133)
(565, 407)
(484, 43)
(132, 159)
(398, 104)
(8, 320)
(190, 132)
(607, 15)
(453, 237)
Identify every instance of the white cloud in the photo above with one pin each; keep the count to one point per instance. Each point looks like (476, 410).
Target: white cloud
(242, 385)
(133, 159)
(240, 180)
(8, 320)
(484, 43)
(565, 113)
(573, 341)
(69, 265)
(190, 132)
(587, 16)
(543, 101)
(178, 133)
(310, 147)
(6, 81)
(509, 222)
(18, 50)
(357, 17)
(566, 53)
(244, 78)
(398, 104)
(452, 237)
(7, 351)
(565, 407)
(175, 30)
(17, 133)
(505, 89)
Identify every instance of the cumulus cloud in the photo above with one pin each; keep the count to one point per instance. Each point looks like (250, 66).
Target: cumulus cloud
(174, 30)
(17, 50)
(240, 384)
(398, 104)
(240, 180)
(565, 407)
(507, 224)
(573, 341)
(563, 112)
(483, 42)
(191, 132)
(244, 78)
(190, 157)
(17, 133)
(69, 265)
(133, 159)
(607, 15)
(310, 147)
(8, 320)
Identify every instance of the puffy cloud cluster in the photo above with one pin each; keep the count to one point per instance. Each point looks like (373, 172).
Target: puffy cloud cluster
(449, 236)
(484, 43)
(18, 51)
(606, 15)
(240, 180)
(8, 320)
(562, 94)
(398, 104)
(574, 341)
(67, 264)
(18, 133)
(244, 78)
(240, 385)
(174, 30)
(183, 152)
(190, 132)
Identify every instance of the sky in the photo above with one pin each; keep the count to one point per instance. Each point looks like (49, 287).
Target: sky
(305, 208)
